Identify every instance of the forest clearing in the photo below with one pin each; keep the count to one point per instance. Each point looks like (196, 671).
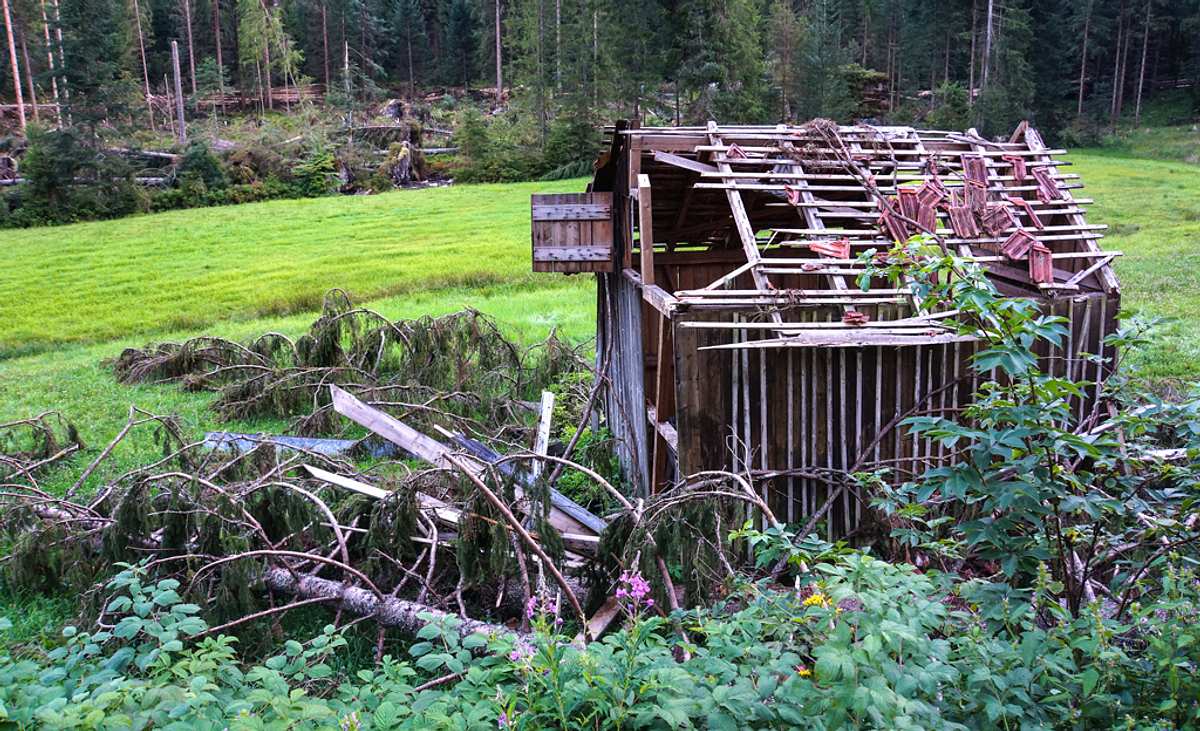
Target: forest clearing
(70, 368)
(522, 364)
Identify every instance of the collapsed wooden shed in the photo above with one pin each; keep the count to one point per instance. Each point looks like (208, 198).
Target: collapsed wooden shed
(740, 339)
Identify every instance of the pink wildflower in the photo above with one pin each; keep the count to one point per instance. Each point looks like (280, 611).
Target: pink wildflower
(633, 592)
(521, 652)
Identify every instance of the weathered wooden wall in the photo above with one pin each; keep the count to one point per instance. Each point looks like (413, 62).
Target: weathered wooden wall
(820, 410)
(620, 321)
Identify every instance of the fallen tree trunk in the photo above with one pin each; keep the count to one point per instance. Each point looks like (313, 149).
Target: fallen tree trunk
(405, 616)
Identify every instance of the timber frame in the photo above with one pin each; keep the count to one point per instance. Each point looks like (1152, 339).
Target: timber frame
(730, 321)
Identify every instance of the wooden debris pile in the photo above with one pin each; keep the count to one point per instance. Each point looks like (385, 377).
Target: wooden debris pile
(457, 516)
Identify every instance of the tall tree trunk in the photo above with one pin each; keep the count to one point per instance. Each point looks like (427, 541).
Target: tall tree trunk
(596, 65)
(1124, 67)
(170, 103)
(137, 17)
(325, 43)
(987, 44)
(267, 75)
(541, 69)
(181, 128)
(412, 81)
(865, 34)
(62, 58)
(946, 62)
(12, 60)
(1116, 82)
(29, 76)
(187, 20)
(270, 96)
(974, 35)
(346, 81)
(499, 60)
(1087, 26)
(558, 45)
(50, 62)
(1137, 110)
(216, 11)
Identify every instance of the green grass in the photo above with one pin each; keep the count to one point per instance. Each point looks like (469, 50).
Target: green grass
(1153, 210)
(1180, 142)
(185, 270)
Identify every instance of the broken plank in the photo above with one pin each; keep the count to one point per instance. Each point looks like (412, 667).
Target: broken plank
(427, 448)
(541, 441)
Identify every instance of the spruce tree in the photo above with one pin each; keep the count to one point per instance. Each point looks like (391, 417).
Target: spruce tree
(98, 62)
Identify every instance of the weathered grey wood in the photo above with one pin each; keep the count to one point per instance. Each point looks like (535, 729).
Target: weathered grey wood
(442, 510)
(684, 162)
(572, 212)
(428, 449)
(845, 340)
(541, 441)
(572, 253)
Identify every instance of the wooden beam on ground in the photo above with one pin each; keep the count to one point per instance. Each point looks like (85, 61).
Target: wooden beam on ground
(428, 449)
(442, 510)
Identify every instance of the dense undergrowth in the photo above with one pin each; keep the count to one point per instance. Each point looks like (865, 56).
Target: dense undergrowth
(69, 180)
(860, 644)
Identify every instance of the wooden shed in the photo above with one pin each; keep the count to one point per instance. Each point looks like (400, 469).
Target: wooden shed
(732, 258)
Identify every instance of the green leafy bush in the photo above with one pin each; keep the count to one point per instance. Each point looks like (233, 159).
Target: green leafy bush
(860, 644)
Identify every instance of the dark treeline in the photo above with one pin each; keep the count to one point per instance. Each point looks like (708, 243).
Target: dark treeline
(1071, 65)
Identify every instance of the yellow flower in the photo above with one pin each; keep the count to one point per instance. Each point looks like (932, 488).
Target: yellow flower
(817, 600)
(803, 671)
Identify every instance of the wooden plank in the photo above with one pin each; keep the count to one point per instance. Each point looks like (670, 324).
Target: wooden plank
(391, 429)
(442, 510)
(658, 297)
(541, 440)
(600, 621)
(572, 253)
(572, 212)
(427, 448)
(646, 229)
(857, 188)
(782, 292)
(821, 339)
(668, 433)
(742, 222)
(684, 162)
(767, 299)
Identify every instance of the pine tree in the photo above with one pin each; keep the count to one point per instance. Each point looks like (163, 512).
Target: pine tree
(407, 21)
(97, 61)
(823, 87)
(460, 41)
(786, 34)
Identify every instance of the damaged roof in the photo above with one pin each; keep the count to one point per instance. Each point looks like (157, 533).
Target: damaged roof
(794, 206)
